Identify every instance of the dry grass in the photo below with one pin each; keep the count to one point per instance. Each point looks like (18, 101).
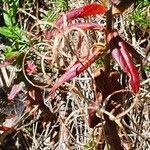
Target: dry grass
(62, 124)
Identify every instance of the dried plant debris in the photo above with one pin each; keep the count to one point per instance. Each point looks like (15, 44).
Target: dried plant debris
(74, 75)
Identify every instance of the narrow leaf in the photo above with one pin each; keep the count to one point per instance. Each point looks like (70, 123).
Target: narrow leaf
(92, 9)
(76, 69)
(88, 10)
(11, 32)
(122, 57)
(133, 73)
(6, 32)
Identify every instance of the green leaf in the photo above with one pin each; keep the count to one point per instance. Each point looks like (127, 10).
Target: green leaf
(7, 49)
(9, 52)
(7, 18)
(11, 32)
(6, 32)
(9, 12)
(12, 54)
(3, 11)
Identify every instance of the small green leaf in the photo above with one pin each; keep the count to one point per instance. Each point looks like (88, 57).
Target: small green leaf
(7, 18)
(11, 32)
(6, 32)
(12, 54)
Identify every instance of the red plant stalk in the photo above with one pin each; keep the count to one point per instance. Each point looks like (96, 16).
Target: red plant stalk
(88, 10)
(122, 57)
(76, 69)
(87, 26)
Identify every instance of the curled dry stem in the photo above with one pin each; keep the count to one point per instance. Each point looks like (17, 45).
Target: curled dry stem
(117, 121)
(126, 111)
(44, 23)
(129, 109)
